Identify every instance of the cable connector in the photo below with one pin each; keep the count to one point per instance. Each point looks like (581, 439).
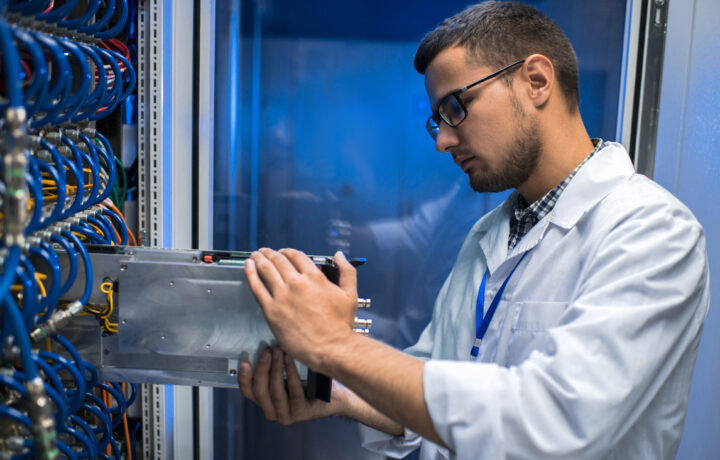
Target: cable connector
(43, 426)
(56, 322)
(15, 163)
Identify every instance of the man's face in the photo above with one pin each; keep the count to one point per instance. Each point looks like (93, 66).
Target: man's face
(497, 145)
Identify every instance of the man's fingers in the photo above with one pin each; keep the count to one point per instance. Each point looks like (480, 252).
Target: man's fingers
(295, 389)
(245, 377)
(278, 394)
(260, 385)
(348, 275)
(257, 287)
(266, 270)
(282, 265)
(300, 261)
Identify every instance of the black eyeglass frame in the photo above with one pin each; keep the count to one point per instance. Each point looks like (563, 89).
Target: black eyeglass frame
(433, 122)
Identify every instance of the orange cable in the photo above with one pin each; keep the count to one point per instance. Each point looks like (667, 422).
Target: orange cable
(127, 431)
(112, 206)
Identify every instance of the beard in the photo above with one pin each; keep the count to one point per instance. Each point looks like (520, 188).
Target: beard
(517, 166)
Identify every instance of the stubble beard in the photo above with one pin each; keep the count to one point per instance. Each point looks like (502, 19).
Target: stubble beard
(520, 162)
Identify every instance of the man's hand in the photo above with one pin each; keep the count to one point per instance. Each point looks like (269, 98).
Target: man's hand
(308, 314)
(265, 386)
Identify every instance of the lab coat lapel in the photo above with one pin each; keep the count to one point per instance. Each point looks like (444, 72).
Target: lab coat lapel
(606, 170)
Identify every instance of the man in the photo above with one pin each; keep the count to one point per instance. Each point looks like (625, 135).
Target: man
(570, 323)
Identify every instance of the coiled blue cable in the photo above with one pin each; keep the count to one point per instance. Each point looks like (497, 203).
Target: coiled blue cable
(109, 158)
(92, 8)
(10, 266)
(13, 384)
(102, 21)
(38, 88)
(100, 411)
(11, 66)
(77, 99)
(57, 211)
(58, 13)
(33, 179)
(65, 449)
(132, 77)
(101, 217)
(96, 97)
(91, 159)
(88, 233)
(53, 263)
(92, 448)
(60, 164)
(124, 235)
(79, 203)
(119, 25)
(72, 261)
(119, 399)
(63, 83)
(31, 292)
(79, 392)
(95, 153)
(86, 263)
(107, 231)
(113, 96)
(30, 7)
(22, 337)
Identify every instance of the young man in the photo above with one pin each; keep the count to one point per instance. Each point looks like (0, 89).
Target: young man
(570, 323)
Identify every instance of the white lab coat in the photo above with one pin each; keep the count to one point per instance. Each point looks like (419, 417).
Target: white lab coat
(591, 350)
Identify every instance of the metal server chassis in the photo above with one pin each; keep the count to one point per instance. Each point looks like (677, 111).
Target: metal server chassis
(185, 317)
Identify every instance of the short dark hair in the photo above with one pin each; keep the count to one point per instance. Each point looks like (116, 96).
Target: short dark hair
(497, 33)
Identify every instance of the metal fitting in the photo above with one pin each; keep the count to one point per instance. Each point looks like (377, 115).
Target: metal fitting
(15, 163)
(43, 427)
(56, 322)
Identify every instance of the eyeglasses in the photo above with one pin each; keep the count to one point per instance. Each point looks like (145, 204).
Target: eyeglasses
(451, 108)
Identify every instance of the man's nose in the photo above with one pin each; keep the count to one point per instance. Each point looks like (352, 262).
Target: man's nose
(446, 138)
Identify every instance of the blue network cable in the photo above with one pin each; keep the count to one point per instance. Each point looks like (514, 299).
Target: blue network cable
(96, 97)
(121, 224)
(58, 13)
(11, 66)
(26, 273)
(119, 25)
(81, 20)
(101, 22)
(53, 263)
(38, 88)
(86, 264)
(63, 84)
(76, 100)
(57, 211)
(109, 158)
(72, 261)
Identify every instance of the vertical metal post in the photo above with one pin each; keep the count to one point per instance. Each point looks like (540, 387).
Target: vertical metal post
(629, 70)
(165, 130)
(206, 153)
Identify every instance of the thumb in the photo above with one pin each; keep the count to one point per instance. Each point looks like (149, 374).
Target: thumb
(348, 275)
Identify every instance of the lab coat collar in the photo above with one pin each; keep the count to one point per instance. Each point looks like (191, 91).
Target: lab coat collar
(607, 169)
(493, 231)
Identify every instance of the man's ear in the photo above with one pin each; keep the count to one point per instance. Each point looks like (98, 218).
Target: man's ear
(540, 76)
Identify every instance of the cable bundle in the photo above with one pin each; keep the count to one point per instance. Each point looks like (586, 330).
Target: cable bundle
(62, 69)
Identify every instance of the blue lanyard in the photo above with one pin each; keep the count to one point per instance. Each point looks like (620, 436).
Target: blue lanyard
(482, 322)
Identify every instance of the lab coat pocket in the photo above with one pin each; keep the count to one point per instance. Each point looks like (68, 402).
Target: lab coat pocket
(529, 330)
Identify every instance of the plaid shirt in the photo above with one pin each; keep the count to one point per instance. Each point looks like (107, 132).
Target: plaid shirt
(525, 216)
